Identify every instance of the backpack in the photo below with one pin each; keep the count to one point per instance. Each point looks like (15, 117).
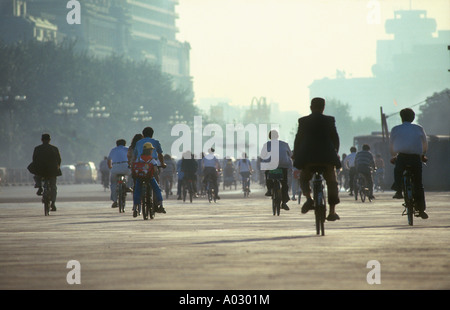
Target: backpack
(142, 169)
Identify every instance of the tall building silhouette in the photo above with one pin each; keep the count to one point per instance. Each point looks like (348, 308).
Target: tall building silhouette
(136, 29)
(409, 68)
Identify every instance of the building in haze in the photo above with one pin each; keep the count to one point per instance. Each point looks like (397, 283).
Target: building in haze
(136, 29)
(409, 68)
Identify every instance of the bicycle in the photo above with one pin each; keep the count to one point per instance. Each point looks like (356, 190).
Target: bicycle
(188, 187)
(320, 208)
(121, 192)
(246, 186)
(210, 190)
(361, 188)
(147, 204)
(408, 195)
(166, 181)
(276, 175)
(46, 196)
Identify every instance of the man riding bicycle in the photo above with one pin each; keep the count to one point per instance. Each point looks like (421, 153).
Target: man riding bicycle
(118, 165)
(189, 167)
(408, 146)
(46, 164)
(365, 164)
(210, 167)
(283, 151)
(317, 144)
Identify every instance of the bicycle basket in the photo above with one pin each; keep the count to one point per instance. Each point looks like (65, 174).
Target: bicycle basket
(276, 174)
(142, 170)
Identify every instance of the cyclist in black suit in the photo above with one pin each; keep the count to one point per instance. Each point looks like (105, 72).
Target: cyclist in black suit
(46, 164)
(317, 144)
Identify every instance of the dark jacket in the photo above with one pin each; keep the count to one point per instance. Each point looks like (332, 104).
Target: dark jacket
(189, 168)
(317, 141)
(46, 160)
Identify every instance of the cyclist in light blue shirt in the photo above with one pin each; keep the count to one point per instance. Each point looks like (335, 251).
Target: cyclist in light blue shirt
(118, 163)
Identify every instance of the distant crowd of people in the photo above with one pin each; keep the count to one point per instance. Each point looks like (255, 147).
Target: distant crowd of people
(316, 145)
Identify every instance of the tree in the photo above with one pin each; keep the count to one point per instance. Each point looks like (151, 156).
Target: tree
(47, 73)
(434, 113)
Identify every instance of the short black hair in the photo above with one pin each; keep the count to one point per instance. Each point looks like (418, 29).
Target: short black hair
(45, 137)
(317, 104)
(121, 142)
(407, 115)
(366, 147)
(147, 132)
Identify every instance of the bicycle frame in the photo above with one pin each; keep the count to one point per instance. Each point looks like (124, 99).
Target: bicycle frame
(276, 176)
(210, 190)
(147, 204)
(408, 196)
(319, 202)
(46, 196)
(188, 186)
(245, 186)
(121, 192)
(361, 187)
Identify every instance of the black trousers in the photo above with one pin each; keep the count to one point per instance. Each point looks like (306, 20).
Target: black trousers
(415, 162)
(284, 185)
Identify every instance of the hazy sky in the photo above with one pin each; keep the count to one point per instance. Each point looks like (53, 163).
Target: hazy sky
(275, 48)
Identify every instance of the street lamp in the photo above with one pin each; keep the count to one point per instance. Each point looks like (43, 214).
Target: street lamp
(176, 119)
(66, 108)
(98, 111)
(141, 115)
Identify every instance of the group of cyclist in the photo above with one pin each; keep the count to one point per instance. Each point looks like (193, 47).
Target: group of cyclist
(316, 146)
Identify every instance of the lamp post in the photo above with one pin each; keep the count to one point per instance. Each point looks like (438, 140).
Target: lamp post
(177, 118)
(9, 101)
(98, 111)
(141, 115)
(66, 108)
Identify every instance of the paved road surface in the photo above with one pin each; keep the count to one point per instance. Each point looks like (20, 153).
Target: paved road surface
(235, 244)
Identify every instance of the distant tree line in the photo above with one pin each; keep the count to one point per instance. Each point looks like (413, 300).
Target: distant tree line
(47, 73)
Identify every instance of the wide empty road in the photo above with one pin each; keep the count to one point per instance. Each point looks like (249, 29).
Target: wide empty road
(234, 244)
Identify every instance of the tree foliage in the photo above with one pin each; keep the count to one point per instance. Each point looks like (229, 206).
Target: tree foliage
(46, 73)
(435, 112)
(348, 127)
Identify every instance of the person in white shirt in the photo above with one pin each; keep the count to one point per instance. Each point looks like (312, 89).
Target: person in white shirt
(408, 146)
(118, 163)
(245, 168)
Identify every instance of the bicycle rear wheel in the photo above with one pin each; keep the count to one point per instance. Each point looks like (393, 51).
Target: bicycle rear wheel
(144, 201)
(46, 201)
(191, 191)
(319, 212)
(362, 194)
(276, 198)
